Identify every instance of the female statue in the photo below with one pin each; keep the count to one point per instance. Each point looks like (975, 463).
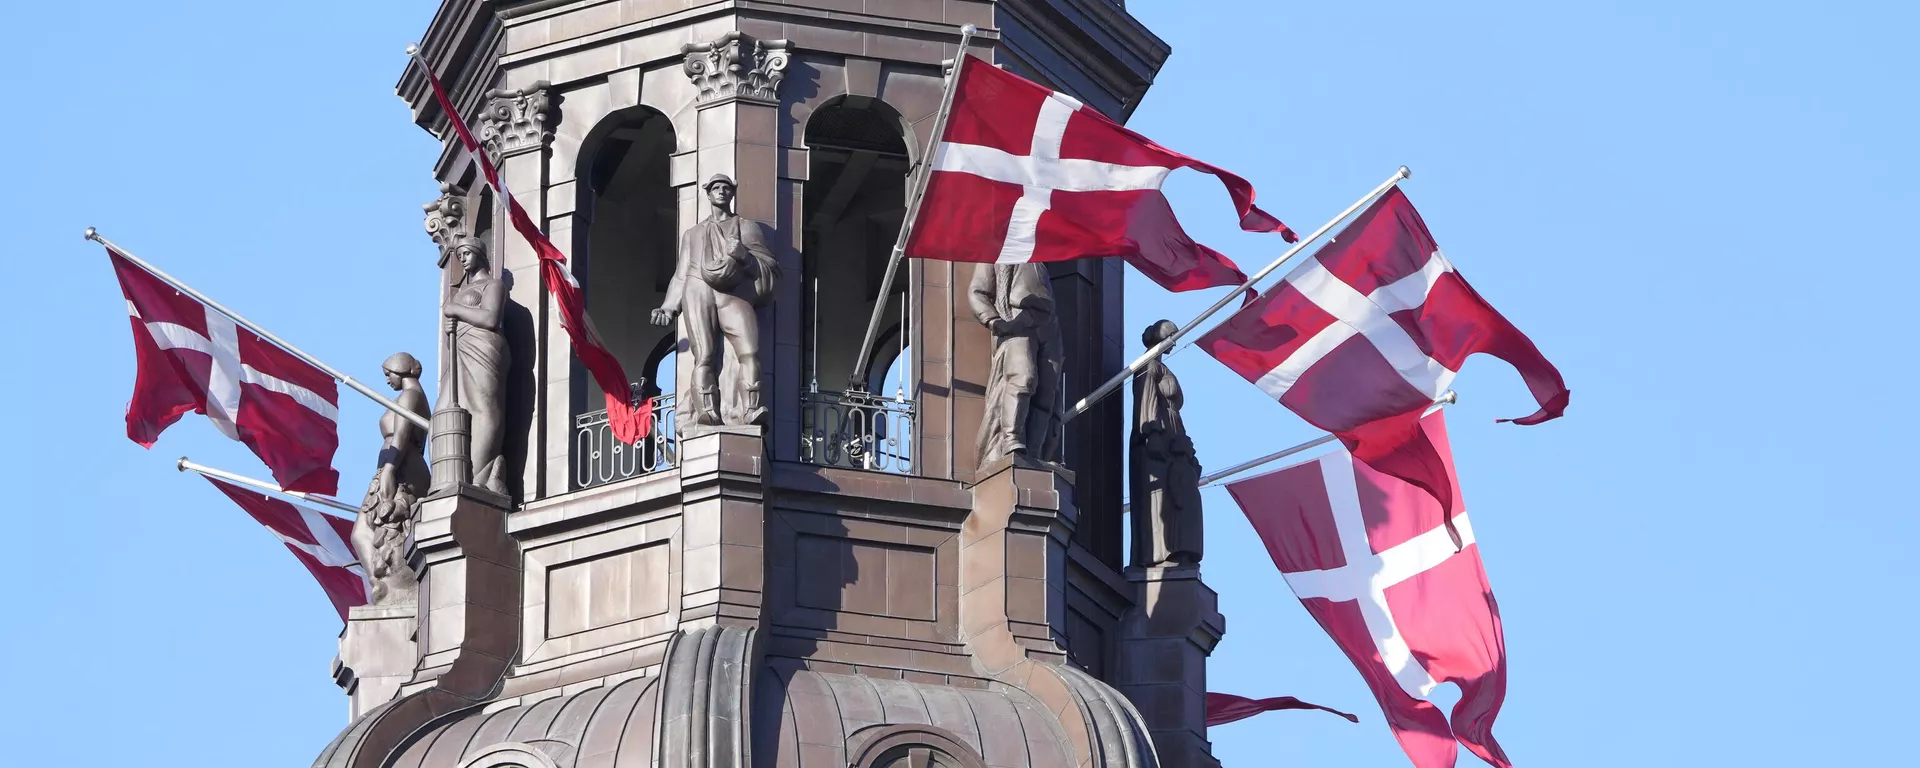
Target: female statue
(1165, 473)
(474, 315)
(380, 532)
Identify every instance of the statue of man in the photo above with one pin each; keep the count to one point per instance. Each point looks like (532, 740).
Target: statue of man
(1164, 472)
(380, 532)
(724, 271)
(1024, 399)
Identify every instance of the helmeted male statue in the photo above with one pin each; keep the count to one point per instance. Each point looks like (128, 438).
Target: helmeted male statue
(1024, 407)
(725, 269)
(1164, 472)
(380, 531)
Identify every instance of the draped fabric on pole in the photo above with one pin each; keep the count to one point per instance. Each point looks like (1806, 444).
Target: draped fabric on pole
(192, 358)
(1024, 173)
(1223, 708)
(629, 421)
(318, 540)
(1367, 333)
(1370, 557)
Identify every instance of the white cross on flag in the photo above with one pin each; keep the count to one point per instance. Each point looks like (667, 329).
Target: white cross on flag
(1023, 173)
(1370, 558)
(1368, 332)
(318, 540)
(192, 358)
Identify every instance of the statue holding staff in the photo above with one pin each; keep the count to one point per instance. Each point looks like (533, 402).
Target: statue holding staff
(474, 315)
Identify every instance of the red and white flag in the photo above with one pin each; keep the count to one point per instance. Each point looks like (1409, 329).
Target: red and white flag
(628, 421)
(192, 358)
(1370, 557)
(1223, 708)
(1367, 333)
(318, 540)
(1024, 173)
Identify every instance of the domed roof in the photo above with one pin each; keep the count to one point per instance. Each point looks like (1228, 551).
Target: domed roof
(834, 720)
(601, 727)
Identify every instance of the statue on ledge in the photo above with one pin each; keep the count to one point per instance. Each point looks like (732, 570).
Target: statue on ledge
(386, 517)
(1025, 405)
(1164, 473)
(475, 313)
(725, 270)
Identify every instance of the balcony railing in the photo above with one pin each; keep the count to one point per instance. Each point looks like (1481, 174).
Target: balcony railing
(858, 430)
(599, 458)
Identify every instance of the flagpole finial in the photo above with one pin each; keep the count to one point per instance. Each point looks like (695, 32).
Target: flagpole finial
(92, 234)
(1405, 172)
(1449, 398)
(413, 49)
(181, 465)
(968, 29)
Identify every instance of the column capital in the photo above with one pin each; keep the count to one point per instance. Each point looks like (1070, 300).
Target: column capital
(447, 219)
(515, 121)
(737, 66)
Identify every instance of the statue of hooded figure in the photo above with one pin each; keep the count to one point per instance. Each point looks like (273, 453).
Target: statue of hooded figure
(1164, 473)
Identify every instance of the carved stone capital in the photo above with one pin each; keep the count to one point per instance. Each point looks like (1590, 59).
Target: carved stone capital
(515, 121)
(447, 219)
(737, 66)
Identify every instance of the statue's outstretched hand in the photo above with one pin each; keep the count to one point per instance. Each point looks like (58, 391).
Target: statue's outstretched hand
(663, 316)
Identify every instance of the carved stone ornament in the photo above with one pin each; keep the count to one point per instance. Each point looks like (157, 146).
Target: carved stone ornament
(515, 121)
(447, 219)
(738, 66)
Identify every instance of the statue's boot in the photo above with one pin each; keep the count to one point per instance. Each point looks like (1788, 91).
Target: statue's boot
(1012, 421)
(756, 413)
(710, 406)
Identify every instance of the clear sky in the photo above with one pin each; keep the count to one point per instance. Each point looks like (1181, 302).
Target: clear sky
(1698, 210)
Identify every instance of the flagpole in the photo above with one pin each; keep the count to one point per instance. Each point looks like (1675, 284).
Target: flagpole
(922, 175)
(1165, 344)
(187, 466)
(258, 331)
(1207, 481)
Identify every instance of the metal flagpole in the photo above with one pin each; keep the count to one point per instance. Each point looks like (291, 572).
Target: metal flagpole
(188, 466)
(1167, 343)
(261, 332)
(1207, 481)
(923, 174)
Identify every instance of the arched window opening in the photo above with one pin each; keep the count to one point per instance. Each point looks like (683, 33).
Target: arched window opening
(625, 234)
(855, 203)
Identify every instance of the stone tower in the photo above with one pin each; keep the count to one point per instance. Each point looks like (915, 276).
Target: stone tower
(839, 584)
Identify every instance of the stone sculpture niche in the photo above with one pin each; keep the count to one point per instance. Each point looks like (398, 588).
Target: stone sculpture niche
(1025, 405)
(476, 381)
(400, 479)
(1164, 474)
(725, 270)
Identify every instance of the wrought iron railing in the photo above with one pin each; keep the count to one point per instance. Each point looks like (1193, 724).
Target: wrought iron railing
(858, 430)
(599, 458)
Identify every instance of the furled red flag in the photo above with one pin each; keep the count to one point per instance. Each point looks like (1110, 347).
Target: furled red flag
(190, 357)
(1369, 332)
(317, 540)
(1223, 708)
(629, 422)
(1023, 173)
(1370, 557)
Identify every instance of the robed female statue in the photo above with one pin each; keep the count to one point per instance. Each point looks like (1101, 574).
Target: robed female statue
(1165, 473)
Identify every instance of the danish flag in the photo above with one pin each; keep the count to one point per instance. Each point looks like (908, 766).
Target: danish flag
(190, 357)
(1371, 330)
(629, 422)
(318, 540)
(1370, 557)
(1024, 173)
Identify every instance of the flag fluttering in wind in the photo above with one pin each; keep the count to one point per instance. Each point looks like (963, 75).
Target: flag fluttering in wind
(1369, 332)
(1370, 557)
(318, 540)
(192, 358)
(628, 421)
(1024, 173)
(1223, 708)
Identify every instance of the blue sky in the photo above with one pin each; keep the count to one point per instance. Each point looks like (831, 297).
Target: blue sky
(1699, 211)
